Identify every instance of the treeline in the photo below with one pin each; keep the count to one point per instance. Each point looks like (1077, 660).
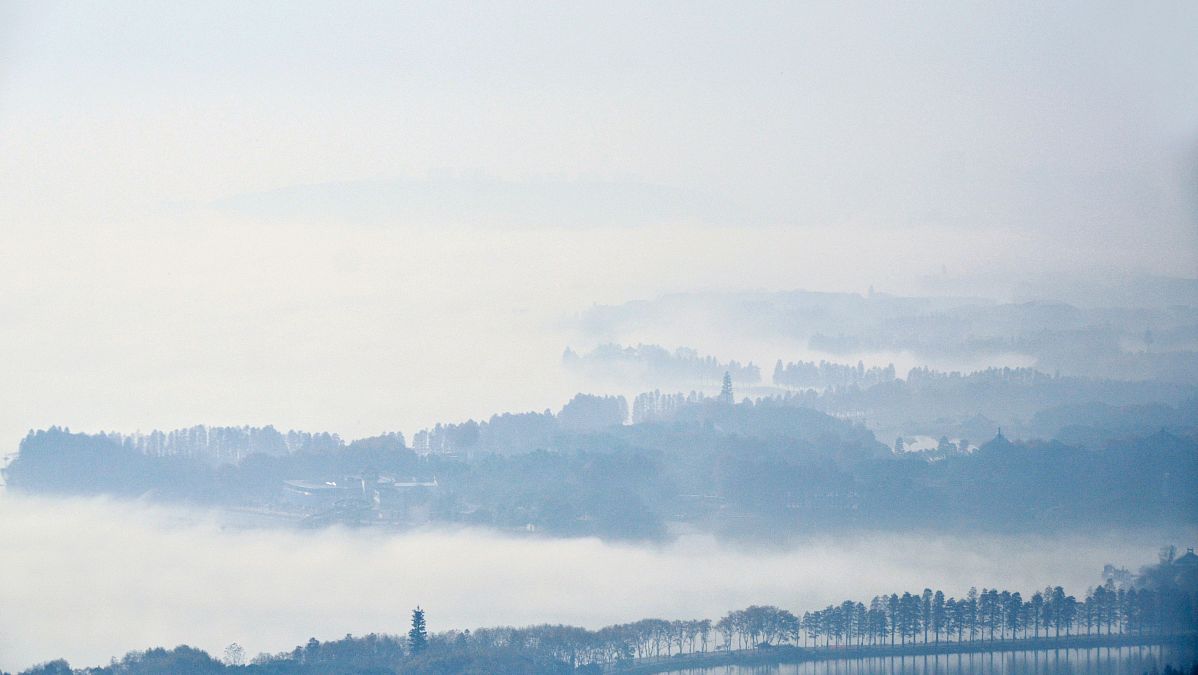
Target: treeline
(971, 405)
(826, 374)
(1161, 601)
(1130, 343)
(1020, 376)
(997, 615)
(225, 444)
(515, 433)
(756, 468)
(654, 406)
(229, 444)
(55, 460)
(657, 364)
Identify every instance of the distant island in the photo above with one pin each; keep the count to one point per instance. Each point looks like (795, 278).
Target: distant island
(768, 467)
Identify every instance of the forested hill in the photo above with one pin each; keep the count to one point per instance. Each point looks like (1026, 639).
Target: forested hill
(766, 468)
(1024, 401)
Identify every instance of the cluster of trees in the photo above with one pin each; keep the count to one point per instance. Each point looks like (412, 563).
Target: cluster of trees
(756, 626)
(654, 406)
(657, 364)
(825, 374)
(988, 615)
(922, 375)
(993, 614)
(55, 460)
(974, 404)
(523, 432)
(1161, 600)
(586, 412)
(225, 444)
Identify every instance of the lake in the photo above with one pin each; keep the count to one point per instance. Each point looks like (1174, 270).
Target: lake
(1102, 661)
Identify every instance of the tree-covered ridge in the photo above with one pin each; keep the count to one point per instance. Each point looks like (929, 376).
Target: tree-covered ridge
(226, 444)
(974, 404)
(517, 433)
(1161, 601)
(757, 468)
(827, 374)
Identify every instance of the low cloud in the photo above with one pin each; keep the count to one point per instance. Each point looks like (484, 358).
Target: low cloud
(88, 579)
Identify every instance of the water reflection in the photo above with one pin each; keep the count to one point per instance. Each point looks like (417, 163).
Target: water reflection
(1103, 661)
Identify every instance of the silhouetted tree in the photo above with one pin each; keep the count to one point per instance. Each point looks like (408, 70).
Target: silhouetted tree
(726, 389)
(235, 655)
(418, 634)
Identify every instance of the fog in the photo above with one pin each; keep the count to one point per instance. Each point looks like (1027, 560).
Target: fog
(1076, 118)
(358, 331)
(374, 217)
(87, 579)
(371, 218)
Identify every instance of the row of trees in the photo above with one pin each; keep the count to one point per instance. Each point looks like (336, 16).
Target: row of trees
(1163, 600)
(217, 445)
(828, 374)
(654, 406)
(980, 616)
(994, 615)
(929, 617)
(523, 432)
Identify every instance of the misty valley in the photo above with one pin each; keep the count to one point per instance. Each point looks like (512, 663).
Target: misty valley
(991, 483)
(514, 337)
(821, 447)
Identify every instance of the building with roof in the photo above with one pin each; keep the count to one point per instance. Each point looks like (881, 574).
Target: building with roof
(1188, 560)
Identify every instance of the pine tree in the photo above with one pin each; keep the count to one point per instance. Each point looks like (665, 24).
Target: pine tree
(726, 388)
(418, 635)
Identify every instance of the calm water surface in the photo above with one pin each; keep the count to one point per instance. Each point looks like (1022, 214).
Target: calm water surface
(1124, 661)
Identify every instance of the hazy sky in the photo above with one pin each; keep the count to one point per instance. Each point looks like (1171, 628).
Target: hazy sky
(360, 217)
(1078, 117)
(363, 216)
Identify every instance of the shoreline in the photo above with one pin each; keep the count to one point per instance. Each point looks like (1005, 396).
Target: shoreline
(791, 654)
